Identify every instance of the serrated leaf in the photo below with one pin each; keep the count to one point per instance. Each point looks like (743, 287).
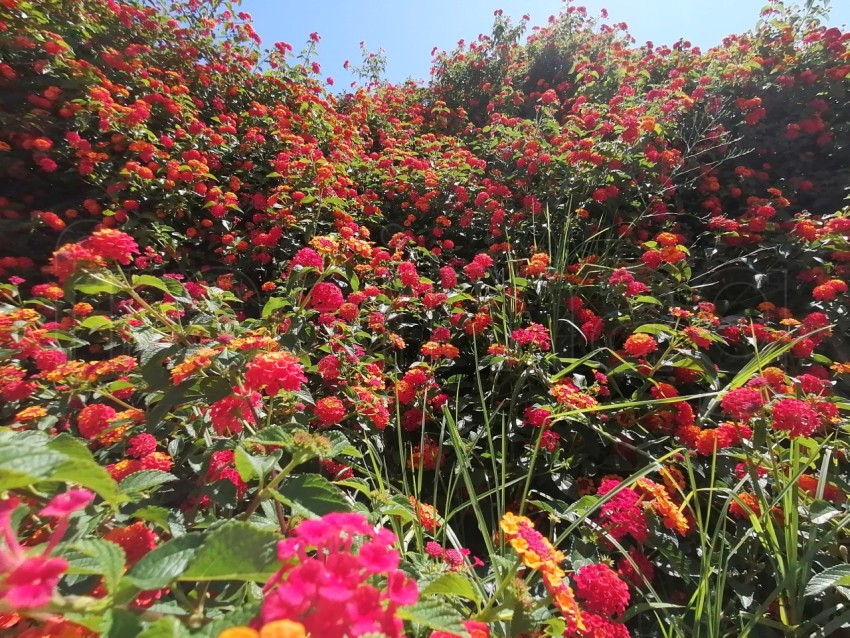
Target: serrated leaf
(275, 435)
(340, 445)
(453, 584)
(166, 563)
(435, 614)
(153, 514)
(107, 556)
(17, 470)
(235, 551)
(828, 578)
(145, 480)
(311, 495)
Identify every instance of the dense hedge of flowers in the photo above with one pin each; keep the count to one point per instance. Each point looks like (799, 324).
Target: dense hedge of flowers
(554, 345)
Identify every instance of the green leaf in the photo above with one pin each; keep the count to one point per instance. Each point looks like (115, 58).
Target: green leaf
(81, 468)
(121, 624)
(275, 303)
(62, 458)
(654, 329)
(235, 551)
(435, 614)
(275, 435)
(245, 464)
(107, 556)
(145, 480)
(97, 287)
(240, 616)
(647, 299)
(311, 495)
(340, 445)
(153, 514)
(166, 284)
(831, 577)
(453, 584)
(96, 322)
(166, 563)
(17, 470)
(166, 627)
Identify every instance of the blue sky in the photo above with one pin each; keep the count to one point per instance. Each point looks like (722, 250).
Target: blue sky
(408, 31)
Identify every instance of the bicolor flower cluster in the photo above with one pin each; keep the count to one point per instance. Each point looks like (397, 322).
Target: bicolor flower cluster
(536, 552)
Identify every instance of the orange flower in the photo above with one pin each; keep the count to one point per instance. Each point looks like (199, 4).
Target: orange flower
(428, 517)
(663, 506)
(537, 552)
(741, 509)
(198, 361)
(30, 414)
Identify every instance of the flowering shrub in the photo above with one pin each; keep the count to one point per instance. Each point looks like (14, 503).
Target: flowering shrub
(554, 345)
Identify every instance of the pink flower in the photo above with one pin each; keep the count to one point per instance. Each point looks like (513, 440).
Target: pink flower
(308, 258)
(65, 504)
(327, 584)
(31, 584)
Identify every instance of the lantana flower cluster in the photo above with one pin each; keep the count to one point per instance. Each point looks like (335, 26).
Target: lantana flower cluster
(340, 578)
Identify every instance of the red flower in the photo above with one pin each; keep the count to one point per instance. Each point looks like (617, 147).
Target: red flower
(308, 258)
(72, 258)
(141, 445)
(109, 243)
(829, 290)
(535, 334)
(796, 417)
(742, 403)
(94, 419)
(635, 574)
(228, 414)
(602, 590)
(329, 410)
(448, 277)
(640, 345)
(474, 628)
(326, 297)
(275, 371)
(597, 626)
(136, 541)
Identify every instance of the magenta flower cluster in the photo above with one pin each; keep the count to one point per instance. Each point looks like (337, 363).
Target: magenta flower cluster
(27, 581)
(340, 577)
